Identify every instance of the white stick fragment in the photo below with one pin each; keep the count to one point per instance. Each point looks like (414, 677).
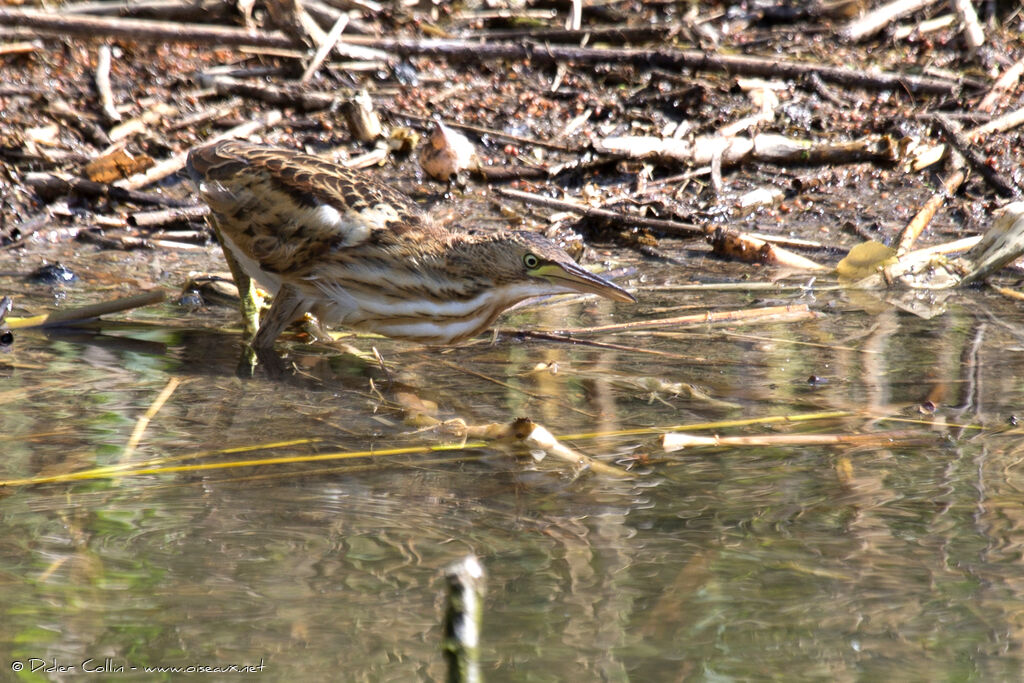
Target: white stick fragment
(974, 35)
(575, 18)
(1003, 86)
(924, 27)
(325, 48)
(541, 439)
(876, 20)
(103, 84)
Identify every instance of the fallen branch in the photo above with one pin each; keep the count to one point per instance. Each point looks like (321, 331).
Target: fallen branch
(766, 147)
(152, 219)
(61, 25)
(749, 249)
(727, 243)
(617, 218)
(697, 60)
(61, 184)
(281, 96)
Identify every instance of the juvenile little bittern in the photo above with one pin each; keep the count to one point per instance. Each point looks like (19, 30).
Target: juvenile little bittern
(331, 241)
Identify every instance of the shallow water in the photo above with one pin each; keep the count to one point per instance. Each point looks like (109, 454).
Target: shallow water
(797, 562)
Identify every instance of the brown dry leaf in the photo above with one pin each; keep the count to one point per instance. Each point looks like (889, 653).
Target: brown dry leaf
(117, 164)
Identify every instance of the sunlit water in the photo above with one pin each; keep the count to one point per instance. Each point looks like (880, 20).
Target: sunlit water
(853, 562)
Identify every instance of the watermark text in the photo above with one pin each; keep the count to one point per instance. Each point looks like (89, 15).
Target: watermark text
(113, 666)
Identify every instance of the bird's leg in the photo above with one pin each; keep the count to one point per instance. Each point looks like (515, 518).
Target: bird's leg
(251, 299)
(288, 304)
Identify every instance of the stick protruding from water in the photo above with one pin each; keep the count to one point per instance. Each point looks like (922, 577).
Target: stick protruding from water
(466, 581)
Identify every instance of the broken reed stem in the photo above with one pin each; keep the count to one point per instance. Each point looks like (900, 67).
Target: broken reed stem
(920, 221)
(537, 437)
(677, 441)
(325, 48)
(1001, 124)
(974, 34)
(1003, 86)
(158, 465)
(132, 471)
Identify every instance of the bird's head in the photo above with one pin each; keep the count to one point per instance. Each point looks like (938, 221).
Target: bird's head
(533, 265)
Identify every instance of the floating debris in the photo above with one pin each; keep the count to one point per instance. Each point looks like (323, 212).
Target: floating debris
(52, 274)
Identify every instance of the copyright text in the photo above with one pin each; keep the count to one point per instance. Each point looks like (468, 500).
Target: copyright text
(113, 666)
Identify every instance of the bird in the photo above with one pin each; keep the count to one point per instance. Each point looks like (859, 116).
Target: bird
(353, 251)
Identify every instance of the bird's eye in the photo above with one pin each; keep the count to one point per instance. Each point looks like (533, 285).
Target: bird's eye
(531, 261)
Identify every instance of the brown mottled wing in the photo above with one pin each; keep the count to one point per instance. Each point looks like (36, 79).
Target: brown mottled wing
(287, 210)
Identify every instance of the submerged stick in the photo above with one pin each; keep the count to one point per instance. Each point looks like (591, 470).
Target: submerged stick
(70, 317)
(143, 422)
(746, 315)
(462, 619)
